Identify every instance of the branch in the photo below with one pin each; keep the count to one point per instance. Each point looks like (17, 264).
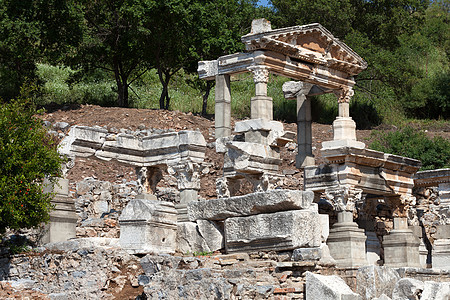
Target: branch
(145, 71)
(134, 92)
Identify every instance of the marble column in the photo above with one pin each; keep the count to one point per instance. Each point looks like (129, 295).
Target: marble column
(347, 242)
(304, 131)
(261, 105)
(222, 106)
(344, 128)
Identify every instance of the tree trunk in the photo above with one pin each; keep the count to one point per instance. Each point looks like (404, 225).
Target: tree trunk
(209, 85)
(122, 87)
(164, 78)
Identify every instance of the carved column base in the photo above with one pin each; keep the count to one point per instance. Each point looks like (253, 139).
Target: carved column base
(63, 218)
(344, 134)
(347, 242)
(401, 247)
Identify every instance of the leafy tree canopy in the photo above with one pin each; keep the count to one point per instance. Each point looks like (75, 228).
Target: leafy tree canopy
(28, 155)
(33, 31)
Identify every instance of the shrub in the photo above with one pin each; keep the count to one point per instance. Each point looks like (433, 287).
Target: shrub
(28, 155)
(434, 153)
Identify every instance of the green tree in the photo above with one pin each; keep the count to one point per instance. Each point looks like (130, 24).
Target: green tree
(171, 28)
(336, 15)
(219, 26)
(33, 31)
(28, 155)
(115, 40)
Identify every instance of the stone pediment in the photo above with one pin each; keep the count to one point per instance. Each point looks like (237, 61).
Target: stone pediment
(311, 43)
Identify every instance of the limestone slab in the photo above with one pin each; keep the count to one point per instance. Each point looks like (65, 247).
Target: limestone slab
(328, 288)
(285, 230)
(250, 204)
(258, 124)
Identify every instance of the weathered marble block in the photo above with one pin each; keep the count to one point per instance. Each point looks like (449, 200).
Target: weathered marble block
(251, 158)
(148, 226)
(199, 236)
(401, 247)
(285, 230)
(441, 254)
(250, 204)
(328, 288)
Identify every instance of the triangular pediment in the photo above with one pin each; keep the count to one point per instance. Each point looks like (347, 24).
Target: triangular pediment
(310, 43)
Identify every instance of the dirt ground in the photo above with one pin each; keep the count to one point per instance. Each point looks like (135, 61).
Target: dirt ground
(133, 119)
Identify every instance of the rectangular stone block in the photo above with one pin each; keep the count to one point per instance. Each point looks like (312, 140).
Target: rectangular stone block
(441, 254)
(250, 204)
(148, 226)
(279, 231)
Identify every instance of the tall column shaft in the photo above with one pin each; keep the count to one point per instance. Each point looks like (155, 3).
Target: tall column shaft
(261, 105)
(304, 130)
(222, 106)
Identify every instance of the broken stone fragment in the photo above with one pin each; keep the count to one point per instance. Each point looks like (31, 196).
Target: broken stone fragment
(407, 288)
(436, 290)
(373, 281)
(189, 240)
(328, 288)
(200, 236)
(250, 204)
(302, 254)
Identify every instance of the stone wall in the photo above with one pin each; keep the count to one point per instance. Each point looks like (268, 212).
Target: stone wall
(96, 268)
(71, 270)
(431, 216)
(100, 203)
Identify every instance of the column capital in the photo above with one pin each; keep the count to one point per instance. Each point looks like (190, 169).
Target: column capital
(260, 73)
(343, 198)
(187, 175)
(345, 94)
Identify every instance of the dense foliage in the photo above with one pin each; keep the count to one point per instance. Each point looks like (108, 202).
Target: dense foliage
(405, 42)
(409, 142)
(28, 155)
(33, 31)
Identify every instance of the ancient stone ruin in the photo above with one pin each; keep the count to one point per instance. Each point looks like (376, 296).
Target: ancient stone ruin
(367, 224)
